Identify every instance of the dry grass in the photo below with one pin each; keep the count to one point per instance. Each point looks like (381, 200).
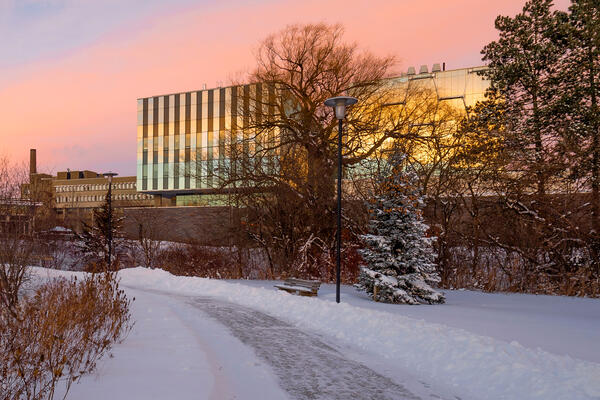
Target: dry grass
(496, 271)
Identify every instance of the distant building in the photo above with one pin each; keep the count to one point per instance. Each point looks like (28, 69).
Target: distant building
(73, 195)
(88, 190)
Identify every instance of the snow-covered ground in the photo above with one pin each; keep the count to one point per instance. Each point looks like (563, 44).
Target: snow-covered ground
(557, 324)
(478, 346)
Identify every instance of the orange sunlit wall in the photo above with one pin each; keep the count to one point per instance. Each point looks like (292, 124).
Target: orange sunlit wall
(77, 106)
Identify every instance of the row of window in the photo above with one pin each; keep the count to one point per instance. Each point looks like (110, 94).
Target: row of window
(215, 96)
(198, 175)
(101, 197)
(104, 186)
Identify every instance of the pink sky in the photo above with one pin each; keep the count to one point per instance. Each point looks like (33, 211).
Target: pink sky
(78, 106)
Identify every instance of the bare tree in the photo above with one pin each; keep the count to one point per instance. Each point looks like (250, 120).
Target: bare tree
(282, 151)
(16, 241)
(150, 231)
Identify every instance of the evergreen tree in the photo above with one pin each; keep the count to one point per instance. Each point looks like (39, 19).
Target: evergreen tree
(538, 132)
(579, 106)
(93, 240)
(399, 256)
(524, 66)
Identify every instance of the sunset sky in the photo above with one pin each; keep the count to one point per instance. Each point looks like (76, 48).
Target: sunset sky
(71, 70)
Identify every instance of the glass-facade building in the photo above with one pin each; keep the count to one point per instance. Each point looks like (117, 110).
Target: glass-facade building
(460, 88)
(182, 138)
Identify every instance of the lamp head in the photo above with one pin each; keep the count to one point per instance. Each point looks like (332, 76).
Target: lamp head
(339, 105)
(109, 175)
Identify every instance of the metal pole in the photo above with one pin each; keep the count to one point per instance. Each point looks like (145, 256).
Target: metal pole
(339, 215)
(109, 221)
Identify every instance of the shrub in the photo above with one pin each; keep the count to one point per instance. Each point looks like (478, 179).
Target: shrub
(61, 331)
(196, 260)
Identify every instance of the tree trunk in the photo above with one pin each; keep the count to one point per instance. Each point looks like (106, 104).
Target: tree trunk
(595, 150)
(539, 149)
(321, 184)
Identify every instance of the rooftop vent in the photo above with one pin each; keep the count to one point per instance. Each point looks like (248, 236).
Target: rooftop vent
(411, 71)
(436, 68)
(423, 69)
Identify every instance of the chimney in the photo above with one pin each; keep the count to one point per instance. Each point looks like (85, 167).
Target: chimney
(32, 162)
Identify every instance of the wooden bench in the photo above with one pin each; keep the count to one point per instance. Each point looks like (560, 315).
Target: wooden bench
(41, 259)
(300, 286)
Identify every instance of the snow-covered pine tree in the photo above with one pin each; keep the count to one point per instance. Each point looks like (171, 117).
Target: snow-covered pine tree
(399, 257)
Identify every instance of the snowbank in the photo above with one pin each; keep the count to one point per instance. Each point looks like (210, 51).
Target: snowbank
(557, 324)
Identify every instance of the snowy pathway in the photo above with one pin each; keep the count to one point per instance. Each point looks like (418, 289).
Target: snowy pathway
(306, 367)
(176, 352)
(190, 347)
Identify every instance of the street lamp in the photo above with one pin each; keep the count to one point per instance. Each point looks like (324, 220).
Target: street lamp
(339, 105)
(109, 175)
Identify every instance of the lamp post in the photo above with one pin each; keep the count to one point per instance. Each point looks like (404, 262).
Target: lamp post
(109, 175)
(339, 105)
